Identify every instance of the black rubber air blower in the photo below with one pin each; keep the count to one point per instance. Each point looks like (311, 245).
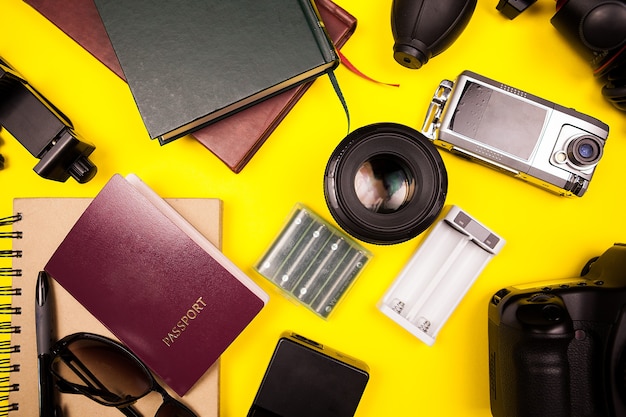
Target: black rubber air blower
(423, 29)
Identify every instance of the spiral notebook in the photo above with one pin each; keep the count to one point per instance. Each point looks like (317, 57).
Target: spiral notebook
(38, 227)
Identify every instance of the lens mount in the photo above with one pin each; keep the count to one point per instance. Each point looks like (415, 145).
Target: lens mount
(385, 183)
(584, 150)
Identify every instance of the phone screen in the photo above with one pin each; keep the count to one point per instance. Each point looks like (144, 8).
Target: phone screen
(501, 121)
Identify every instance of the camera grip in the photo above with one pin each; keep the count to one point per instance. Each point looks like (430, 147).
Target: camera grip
(616, 366)
(544, 377)
(529, 362)
(530, 374)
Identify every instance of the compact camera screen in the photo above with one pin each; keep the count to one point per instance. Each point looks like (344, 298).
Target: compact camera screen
(523, 135)
(484, 114)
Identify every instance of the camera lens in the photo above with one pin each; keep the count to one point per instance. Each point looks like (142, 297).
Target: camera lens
(385, 183)
(584, 150)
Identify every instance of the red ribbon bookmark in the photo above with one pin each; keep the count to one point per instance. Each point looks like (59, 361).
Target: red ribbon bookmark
(354, 69)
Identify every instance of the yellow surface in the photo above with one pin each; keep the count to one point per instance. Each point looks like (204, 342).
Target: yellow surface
(548, 237)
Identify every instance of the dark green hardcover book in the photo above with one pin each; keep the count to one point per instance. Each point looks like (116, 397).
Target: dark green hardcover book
(189, 62)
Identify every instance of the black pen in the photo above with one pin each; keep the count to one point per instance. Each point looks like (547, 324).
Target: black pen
(44, 329)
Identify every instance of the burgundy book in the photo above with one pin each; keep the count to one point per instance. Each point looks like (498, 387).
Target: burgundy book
(235, 139)
(155, 282)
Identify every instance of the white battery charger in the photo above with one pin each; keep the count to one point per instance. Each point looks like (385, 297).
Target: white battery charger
(439, 274)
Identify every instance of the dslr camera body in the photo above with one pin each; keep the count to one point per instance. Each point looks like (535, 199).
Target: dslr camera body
(516, 132)
(558, 349)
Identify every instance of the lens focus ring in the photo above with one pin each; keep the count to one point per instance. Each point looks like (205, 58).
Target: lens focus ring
(385, 183)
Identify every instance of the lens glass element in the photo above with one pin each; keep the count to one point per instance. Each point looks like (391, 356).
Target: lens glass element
(584, 150)
(382, 185)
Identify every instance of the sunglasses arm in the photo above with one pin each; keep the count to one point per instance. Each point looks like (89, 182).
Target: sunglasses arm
(63, 387)
(129, 411)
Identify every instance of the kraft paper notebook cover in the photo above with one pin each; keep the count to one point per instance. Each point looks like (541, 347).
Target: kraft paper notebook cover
(140, 269)
(191, 63)
(234, 139)
(44, 224)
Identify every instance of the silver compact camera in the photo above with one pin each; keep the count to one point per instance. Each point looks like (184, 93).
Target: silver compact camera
(516, 132)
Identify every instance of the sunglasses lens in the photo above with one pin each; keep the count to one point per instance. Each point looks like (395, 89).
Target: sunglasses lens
(172, 408)
(102, 371)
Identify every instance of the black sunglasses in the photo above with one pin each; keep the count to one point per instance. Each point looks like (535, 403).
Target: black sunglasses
(108, 373)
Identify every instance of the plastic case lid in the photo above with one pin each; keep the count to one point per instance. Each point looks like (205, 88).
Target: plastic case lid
(312, 262)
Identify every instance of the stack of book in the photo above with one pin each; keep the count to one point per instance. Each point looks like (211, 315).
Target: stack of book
(234, 139)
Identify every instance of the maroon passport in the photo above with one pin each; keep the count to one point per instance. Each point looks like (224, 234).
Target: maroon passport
(155, 282)
(235, 139)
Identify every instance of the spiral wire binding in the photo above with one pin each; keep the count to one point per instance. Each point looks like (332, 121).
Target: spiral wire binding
(5, 409)
(6, 366)
(10, 309)
(5, 221)
(6, 386)
(7, 348)
(6, 327)
(7, 290)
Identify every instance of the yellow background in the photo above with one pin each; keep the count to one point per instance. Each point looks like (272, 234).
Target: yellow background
(548, 237)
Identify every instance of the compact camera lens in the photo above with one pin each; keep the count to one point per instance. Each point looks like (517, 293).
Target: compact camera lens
(385, 183)
(584, 150)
